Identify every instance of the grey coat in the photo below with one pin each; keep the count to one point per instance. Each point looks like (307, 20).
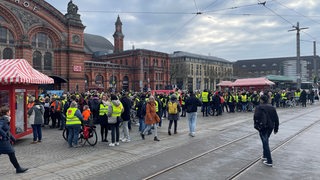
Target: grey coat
(38, 111)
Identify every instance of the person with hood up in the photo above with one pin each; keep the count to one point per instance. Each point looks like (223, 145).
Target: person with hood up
(36, 117)
(114, 114)
(173, 117)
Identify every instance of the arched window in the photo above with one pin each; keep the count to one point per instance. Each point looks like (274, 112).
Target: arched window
(47, 61)
(43, 51)
(99, 81)
(42, 41)
(6, 36)
(7, 53)
(37, 60)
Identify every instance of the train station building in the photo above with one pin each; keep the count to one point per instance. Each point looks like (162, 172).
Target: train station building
(56, 45)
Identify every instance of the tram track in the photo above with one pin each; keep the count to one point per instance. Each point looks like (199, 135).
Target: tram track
(248, 165)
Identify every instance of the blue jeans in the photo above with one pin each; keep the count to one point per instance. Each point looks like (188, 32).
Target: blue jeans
(37, 132)
(73, 134)
(192, 119)
(264, 135)
(142, 126)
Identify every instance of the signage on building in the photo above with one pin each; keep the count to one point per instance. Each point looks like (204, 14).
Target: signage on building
(27, 4)
(77, 68)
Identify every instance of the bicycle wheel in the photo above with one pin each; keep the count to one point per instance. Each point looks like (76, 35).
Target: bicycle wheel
(93, 138)
(65, 134)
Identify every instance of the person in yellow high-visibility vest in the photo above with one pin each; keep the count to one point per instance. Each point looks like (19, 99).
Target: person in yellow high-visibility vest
(205, 102)
(114, 112)
(73, 124)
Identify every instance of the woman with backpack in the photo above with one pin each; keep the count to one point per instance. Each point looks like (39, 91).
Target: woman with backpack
(174, 109)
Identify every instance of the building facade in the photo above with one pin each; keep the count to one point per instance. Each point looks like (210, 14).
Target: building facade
(283, 66)
(56, 45)
(198, 72)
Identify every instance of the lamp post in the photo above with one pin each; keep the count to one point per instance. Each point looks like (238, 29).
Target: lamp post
(299, 75)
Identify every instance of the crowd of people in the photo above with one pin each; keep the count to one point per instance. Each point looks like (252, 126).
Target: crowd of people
(114, 112)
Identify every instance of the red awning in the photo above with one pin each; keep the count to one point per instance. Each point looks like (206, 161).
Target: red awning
(19, 71)
(253, 82)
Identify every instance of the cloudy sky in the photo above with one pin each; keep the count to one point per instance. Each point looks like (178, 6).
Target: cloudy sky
(229, 29)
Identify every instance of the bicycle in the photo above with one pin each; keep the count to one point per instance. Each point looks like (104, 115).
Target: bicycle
(87, 134)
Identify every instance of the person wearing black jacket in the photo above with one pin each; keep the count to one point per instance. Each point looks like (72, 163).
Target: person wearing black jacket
(127, 104)
(6, 139)
(265, 133)
(192, 104)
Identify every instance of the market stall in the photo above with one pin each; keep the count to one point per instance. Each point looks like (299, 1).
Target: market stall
(253, 83)
(18, 80)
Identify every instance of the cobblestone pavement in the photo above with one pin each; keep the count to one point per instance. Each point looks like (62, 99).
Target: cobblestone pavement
(52, 159)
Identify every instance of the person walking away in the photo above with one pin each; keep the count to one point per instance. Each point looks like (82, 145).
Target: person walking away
(205, 102)
(73, 124)
(114, 114)
(151, 118)
(127, 104)
(55, 112)
(174, 109)
(192, 104)
(35, 114)
(6, 138)
(266, 115)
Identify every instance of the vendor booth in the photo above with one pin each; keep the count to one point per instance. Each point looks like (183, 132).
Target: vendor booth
(18, 80)
(253, 83)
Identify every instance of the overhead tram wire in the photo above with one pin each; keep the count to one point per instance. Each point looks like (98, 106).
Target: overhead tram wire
(293, 25)
(264, 5)
(202, 12)
(297, 12)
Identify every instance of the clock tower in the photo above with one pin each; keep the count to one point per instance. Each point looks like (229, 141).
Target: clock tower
(118, 36)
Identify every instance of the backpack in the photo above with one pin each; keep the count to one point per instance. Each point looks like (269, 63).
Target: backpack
(264, 122)
(172, 107)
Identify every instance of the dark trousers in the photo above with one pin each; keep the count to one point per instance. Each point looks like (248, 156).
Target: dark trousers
(115, 132)
(37, 132)
(264, 135)
(104, 131)
(13, 160)
(175, 125)
(54, 117)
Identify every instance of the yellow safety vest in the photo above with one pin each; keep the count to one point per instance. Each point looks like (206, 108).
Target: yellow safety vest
(243, 98)
(283, 96)
(116, 110)
(71, 118)
(103, 110)
(204, 96)
(157, 105)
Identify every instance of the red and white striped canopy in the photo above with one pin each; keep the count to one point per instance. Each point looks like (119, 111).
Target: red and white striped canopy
(19, 71)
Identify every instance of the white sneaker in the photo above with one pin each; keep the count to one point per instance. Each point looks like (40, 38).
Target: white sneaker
(267, 164)
(117, 144)
(263, 159)
(126, 140)
(111, 144)
(122, 139)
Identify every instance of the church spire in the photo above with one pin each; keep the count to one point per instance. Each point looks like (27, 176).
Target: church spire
(118, 36)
